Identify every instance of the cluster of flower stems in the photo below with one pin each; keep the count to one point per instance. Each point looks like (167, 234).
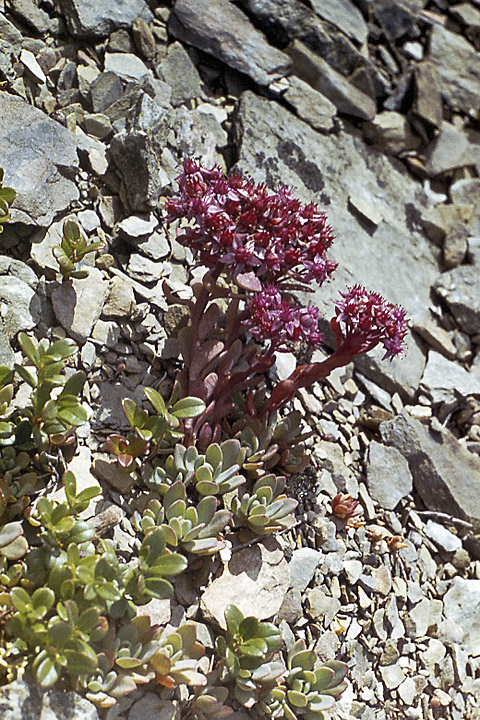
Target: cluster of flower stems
(70, 606)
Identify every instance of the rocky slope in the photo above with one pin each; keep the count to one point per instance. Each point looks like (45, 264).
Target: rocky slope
(370, 108)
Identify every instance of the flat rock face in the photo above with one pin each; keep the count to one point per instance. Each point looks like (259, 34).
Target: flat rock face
(38, 156)
(256, 580)
(221, 29)
(277, 148)
(446, 476)
(92, 19)
(456, 63)
(344, 15)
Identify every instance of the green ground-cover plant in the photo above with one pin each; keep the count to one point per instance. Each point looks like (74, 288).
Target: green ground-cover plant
(32, 436)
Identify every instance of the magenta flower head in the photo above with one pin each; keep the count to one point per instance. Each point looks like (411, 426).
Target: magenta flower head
(283, 322)
(247, 232)
(367, 319)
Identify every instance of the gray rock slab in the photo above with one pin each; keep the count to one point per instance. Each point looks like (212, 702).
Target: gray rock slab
(323, 77)
(462, 603)
(461, 291)
(388, 476)
(21, 701)
(310, 105)
(344, 15)
(396, 17)
(110, 411)
(446, 381)
(92, 19)
(178, 71)
(442, 537)
(277, 148)
(40, 159)
(20, 306)
(256, 579)
(302, 567)
(199, 134)
(457, 66)
(219, 28)
(445, 474)
(78, 304)
(290, 20)
(126, 65)
(452, 148)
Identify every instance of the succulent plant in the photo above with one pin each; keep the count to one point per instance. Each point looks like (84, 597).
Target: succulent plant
(277, 443)
(74, 247)
(267, 509)
(7, 196)
(345, 508)
(305, 691)
(176, 660)
(214, 473)
(246, 650)
(195, 528)
(209, 700)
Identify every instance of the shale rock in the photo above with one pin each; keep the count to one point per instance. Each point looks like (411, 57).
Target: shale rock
(445, 475)
(40, 159)
(221, 29)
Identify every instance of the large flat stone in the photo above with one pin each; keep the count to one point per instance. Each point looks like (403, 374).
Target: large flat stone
(445, 474)
(40, 159)
(222, 30)
(392, 258)
(458, 67)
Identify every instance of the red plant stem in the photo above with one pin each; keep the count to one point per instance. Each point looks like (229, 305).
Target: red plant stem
(307, 375)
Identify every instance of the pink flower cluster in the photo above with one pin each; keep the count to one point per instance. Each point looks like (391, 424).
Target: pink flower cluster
(274, 318)
(247, 230)
(368, 319)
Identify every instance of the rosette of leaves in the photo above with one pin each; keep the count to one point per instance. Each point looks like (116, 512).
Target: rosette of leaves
(72, 250)
(214, 473)
(123, 662)
(209, 700)
(273, 443)
(176, 660)
(306, 691)
(196, 528)
(149, 430)
(246, 651)
(7, 196)
(266, 509)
